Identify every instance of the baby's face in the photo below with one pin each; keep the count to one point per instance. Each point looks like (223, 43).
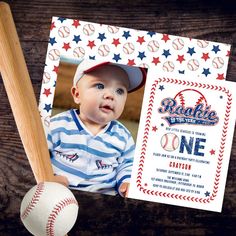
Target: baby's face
(102, 94)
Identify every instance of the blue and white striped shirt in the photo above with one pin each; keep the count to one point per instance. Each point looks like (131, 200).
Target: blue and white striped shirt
(96, 163)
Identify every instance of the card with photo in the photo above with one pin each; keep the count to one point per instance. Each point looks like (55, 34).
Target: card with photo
(75, 44)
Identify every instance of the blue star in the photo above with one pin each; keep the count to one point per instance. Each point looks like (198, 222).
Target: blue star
(181, 71)
(61, 19)
(141, 55)
(47, 107)
(126, 34)
(191, 51)
(206, 72)
(221, 97)
(77, 38)
(116, 57)
(151, 33)
(161, 87)
(92, 57)
(101, 36)
(166, 53)
(52, 41)
(216, 49)
(207, 194)
(162, 124)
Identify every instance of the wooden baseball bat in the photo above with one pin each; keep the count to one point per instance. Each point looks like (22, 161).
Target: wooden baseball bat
(22, 98)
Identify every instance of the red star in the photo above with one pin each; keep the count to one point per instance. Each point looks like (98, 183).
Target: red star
(156, 60)
(91, 44)
(205, 56)
(165, 37)
(56, 68)
(140, 40)
(116, 42)
(220, 76)
(131, 62)
(154, 128)
(212, 152)
(52, 26)
(180, 58)
(76, 23)
(228, 53)
(66, 46)
(47, 92)
(145, 184)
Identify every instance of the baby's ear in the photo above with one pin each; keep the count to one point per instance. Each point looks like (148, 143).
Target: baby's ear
(75, 94)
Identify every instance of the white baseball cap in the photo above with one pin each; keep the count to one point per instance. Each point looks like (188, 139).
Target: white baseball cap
(136, 75)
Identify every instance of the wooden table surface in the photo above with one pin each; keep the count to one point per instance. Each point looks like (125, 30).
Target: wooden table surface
(100, 214)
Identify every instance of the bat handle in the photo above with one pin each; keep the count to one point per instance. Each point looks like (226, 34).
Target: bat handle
(22, 99)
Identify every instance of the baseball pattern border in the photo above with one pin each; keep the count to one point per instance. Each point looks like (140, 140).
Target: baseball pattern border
(146, 135)
(146, 49)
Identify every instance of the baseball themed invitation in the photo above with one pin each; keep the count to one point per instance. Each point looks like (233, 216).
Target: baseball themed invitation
(186, 126)
(184, 141)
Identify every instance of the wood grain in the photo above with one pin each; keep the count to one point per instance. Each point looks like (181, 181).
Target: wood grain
(99, 214)
(21, 97)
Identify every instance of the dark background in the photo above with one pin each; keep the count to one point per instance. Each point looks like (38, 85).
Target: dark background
(100, 214)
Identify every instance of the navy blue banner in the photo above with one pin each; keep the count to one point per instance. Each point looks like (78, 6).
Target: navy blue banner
(174, 120)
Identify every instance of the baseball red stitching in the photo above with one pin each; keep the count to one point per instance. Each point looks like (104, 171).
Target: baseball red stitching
(173, 142)
(34, 200)
(166, 141)
(55, 212)
(181, 97)
(221, 151)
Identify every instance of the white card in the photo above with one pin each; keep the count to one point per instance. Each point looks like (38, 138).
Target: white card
(184, 141)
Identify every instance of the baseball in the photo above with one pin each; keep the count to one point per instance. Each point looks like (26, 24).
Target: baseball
(193, 64)
(46, 77)
(128, 48)
(113, 29)
(63, 31)
(103, 50)
(178, 44)
(144, 65)
(168, 66)
(169, 142)
(88, 29)
(190, 98)
(49, 209)
(153, 46)
(79, 52)
(202, 43)
(54, 54)
(47, 121)
(218, 62)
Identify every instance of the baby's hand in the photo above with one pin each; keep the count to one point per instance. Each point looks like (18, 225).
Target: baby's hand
(61, 180)
(124, 189)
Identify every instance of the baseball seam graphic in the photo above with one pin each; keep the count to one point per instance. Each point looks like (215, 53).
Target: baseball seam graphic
(182, 99)
(55, 212)
(200, 100)
(34, 200)
(221, 150)
(173, 142)
(166, 141)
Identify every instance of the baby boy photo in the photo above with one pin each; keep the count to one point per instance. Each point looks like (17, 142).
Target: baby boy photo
(89, 147)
